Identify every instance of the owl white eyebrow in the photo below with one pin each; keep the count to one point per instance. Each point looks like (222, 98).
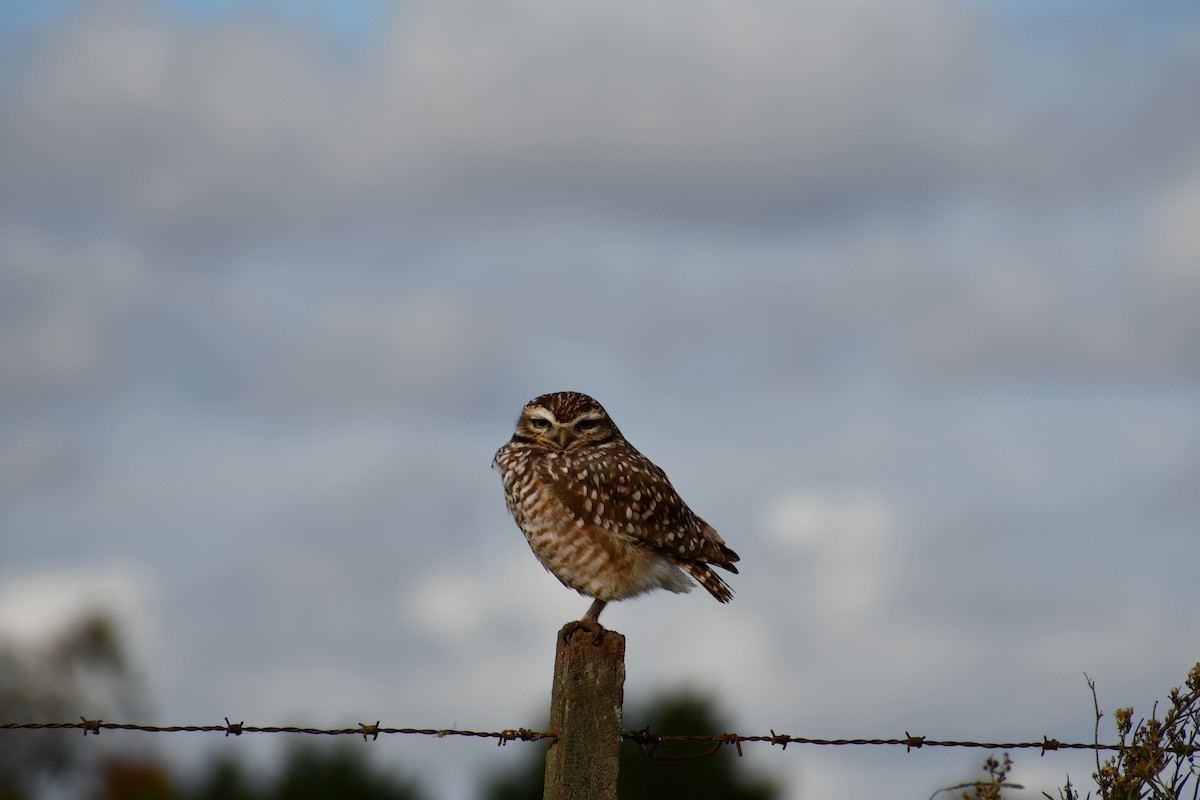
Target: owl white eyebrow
(543, 413)
(596, 415)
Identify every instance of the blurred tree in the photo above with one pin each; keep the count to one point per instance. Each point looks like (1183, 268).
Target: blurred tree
(122, 779)
(224, 779)
(82, 670)
(85, 670)
(719, 775)
(312, 773)
(309, 772)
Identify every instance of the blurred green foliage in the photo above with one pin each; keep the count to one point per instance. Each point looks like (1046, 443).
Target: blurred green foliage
(83, 668)
(674, 770)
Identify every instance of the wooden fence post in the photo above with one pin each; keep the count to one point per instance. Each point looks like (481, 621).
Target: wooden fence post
(585, 715)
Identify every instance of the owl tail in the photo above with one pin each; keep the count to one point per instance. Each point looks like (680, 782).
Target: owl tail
(709, 579)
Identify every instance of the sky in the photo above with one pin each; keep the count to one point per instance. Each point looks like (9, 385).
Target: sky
(905, 298)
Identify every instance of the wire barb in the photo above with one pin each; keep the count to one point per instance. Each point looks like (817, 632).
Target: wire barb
(644, 739)
(524, 734)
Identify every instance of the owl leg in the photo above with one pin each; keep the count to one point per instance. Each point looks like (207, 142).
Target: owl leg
(593, 614)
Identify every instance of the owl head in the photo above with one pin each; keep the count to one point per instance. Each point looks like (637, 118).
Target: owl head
(565, 421)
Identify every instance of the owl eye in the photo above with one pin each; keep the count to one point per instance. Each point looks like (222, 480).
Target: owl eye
(539, 423)
(587, 424)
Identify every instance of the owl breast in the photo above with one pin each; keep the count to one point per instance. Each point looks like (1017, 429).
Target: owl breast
(579, 527)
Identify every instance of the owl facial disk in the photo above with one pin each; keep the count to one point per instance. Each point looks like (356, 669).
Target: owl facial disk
(565, 435)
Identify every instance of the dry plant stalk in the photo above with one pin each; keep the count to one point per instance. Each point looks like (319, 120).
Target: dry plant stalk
(1157, 759)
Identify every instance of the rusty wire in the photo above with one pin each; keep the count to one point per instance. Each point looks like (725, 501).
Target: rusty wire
(645, 740)
(94, 726)
(648, 742)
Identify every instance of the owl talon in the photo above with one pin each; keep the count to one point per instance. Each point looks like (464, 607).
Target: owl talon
(590, 625)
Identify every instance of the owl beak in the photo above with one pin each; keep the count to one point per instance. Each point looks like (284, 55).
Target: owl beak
(564, 437)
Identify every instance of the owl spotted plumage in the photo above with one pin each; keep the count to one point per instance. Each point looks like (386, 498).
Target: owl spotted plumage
(598, 514)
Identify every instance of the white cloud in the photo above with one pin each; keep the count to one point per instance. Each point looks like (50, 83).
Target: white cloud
(241, 126)
(37, 606)
(448, 604)
(690, 84)
(1175, 235)
(853, 519)
(454, 604)
(388, 351)
(62, 301)
(837, 554)
(334, 694)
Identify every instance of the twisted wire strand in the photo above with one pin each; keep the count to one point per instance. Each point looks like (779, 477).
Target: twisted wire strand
(644, 739)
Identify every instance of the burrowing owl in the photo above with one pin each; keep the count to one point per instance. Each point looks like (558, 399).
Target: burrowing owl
(599, 514)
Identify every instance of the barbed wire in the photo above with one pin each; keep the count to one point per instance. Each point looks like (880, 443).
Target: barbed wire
(94, 726)
(645, 740)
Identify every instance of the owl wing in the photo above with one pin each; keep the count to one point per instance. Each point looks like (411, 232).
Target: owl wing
(631, 497)
(665, 523)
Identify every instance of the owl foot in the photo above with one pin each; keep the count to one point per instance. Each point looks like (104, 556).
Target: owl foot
(589, 623)
(591, 626)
